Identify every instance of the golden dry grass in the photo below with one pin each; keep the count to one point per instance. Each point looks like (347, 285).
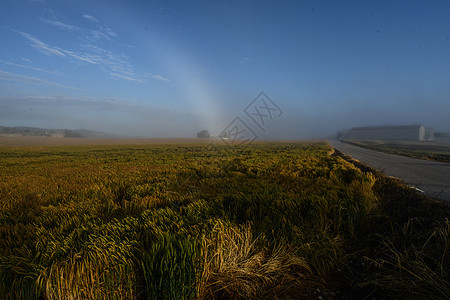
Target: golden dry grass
(179, 221)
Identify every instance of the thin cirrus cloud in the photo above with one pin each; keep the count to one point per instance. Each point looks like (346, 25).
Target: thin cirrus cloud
(117, 66)
(102, 31)
(60, 25)
(158, 77)
(29, 67)
(90, 18)
(41, 46)
(17, 78)
(126, 77)
(94, 55)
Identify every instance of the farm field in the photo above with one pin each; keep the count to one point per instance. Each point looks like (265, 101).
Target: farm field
(439, 151)
(19, 140)
(198, 221)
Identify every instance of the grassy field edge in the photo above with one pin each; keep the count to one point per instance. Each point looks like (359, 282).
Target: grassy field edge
(402, 251)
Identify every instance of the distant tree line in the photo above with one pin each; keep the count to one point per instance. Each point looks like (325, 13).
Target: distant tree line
(203, 134)
(32, 131)
(70, 134)
(441, 135)
(25, 131)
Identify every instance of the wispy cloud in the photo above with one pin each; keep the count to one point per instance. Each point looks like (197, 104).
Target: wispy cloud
(101, 32)
(41, 46)
(118, 66)
(95, 35)
(80, 57)
(129, 78)
(94, 55)
(18, 78)
(90, 18)
(158, 77)
(29, 67)
(60, 25)
(115, 65)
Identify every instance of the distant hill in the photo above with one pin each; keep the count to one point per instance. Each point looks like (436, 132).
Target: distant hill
(35, 131)
(86, 133)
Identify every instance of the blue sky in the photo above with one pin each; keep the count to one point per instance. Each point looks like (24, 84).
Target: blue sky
(172, 68)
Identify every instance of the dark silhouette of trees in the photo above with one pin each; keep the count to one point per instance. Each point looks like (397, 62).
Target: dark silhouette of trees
(441, 135)
(204, 134)
(70, 134)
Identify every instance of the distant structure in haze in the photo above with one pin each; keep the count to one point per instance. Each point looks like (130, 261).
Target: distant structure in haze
(203, 134)
(400, 132)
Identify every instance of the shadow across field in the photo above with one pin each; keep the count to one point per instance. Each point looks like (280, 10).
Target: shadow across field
(401, 250)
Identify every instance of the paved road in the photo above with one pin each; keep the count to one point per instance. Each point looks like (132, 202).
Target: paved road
(431, 177)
